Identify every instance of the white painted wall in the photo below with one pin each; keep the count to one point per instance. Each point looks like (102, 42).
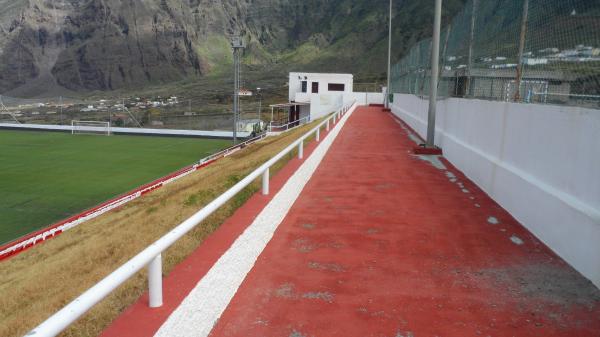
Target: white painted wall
(364, 98)
(323, 104)
(295, 84)
(539, 162)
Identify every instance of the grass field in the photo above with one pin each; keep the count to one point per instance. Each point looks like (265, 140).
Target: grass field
(74, 261)
(46, 177)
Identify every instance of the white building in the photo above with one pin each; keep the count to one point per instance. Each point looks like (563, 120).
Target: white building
(532, 61)
(314, 95)
(318, 94)
(324, 92)
(301, 85)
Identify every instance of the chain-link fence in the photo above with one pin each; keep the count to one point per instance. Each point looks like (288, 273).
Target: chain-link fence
(172, 112)
(533, 51)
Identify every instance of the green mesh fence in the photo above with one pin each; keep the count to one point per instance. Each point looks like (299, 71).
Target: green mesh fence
(481, 54)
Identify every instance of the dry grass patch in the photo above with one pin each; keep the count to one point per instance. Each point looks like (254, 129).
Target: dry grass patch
(39, 282)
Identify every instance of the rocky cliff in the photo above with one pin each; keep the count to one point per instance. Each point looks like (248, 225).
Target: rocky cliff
(85, 45)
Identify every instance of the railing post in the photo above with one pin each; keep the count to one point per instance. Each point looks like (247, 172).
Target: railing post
(155, 282)
(265, 182)
(318, 134)
(301, 150)
(327, 127)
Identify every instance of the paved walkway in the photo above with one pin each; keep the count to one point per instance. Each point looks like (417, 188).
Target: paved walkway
(383, 243)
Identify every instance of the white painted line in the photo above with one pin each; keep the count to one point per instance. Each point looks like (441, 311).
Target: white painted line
(141, 131)
(201, 309)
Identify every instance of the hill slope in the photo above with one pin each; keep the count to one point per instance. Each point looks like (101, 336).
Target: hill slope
(84, 45)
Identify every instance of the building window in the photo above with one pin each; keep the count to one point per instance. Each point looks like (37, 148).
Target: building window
(304, 86)
(315, 87)
(336, 87)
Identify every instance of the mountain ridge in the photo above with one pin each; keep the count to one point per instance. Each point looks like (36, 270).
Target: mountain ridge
(90, 45)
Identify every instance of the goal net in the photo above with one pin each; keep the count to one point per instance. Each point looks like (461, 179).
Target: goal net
(90, 127)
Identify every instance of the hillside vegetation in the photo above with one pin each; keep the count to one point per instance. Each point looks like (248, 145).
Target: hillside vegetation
(53, 47)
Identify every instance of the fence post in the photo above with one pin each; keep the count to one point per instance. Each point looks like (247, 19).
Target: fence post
(265, 182)
(155, 282)
(318, 134)
(301, 150)
(327, 127)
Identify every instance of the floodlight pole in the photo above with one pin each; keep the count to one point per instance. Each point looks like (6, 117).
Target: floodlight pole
(237, 46)
(435, 60)
(389, 69)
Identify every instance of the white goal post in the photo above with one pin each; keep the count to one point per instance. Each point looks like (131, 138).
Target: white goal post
(90, 127)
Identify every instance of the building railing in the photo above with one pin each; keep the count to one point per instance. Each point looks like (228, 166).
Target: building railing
(151, 256)
(287, 126)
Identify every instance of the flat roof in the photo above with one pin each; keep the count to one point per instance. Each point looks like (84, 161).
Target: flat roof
(287, 105)
(294, 73)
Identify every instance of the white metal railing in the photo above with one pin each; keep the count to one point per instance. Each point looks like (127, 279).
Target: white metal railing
(151, 256)
(287, 126)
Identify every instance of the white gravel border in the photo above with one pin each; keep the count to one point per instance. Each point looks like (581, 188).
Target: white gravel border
(200, 310)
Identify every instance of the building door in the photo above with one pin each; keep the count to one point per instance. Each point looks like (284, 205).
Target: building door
(292, 116)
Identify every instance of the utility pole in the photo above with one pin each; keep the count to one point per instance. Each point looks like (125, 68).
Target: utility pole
(433, 86)
(237, 45)
(259, 107)
(190, 126)
(131, 115)
(3, 107)
(521, 49)
(471, 41)
(61, 110)
(389, 69)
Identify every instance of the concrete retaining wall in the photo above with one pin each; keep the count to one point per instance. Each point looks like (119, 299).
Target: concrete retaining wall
(323, 104)
(539, 162)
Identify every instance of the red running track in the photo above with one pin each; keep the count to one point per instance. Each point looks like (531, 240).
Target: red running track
(382, 243)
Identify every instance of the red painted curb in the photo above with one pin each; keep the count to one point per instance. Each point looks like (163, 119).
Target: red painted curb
(423, 150)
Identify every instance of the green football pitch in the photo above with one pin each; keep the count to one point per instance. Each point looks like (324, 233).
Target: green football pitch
(46, 177)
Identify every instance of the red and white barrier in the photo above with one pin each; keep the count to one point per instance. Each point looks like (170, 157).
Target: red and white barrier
(30, 240)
